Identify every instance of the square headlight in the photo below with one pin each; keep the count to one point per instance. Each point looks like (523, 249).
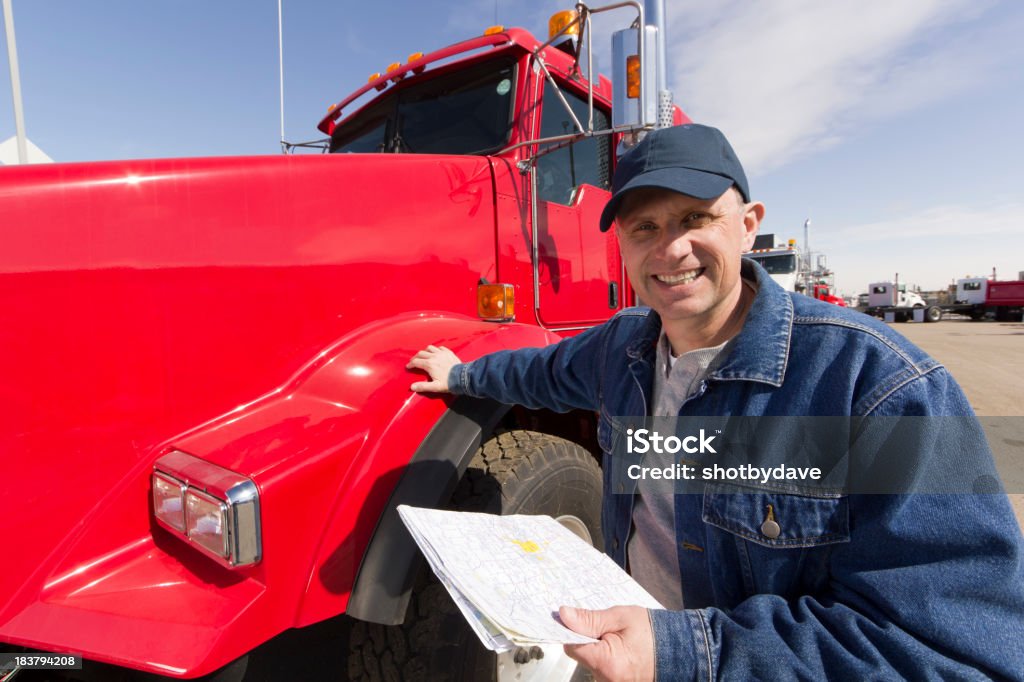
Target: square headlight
(207, 521)
(168, 500)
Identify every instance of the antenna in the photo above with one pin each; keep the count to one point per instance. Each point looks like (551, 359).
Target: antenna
(12, 61)
(280, 63)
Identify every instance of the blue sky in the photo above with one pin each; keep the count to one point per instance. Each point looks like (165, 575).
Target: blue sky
(893, 125)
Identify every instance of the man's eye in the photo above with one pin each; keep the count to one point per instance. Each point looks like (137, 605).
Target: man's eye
(696, 220)
(643, 227)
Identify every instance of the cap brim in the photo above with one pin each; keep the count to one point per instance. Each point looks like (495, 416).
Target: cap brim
(693, 183)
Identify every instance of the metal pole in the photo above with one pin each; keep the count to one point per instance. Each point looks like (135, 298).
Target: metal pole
(655, 10)
(280, 63)
(807, 243)
(12, 61)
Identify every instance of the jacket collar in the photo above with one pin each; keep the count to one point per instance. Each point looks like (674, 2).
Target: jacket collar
(760, 352)
(761, 349)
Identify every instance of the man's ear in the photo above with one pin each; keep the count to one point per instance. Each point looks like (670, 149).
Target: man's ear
(752, 217)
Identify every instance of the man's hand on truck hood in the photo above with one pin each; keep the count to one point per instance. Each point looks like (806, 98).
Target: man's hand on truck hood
(437, 361)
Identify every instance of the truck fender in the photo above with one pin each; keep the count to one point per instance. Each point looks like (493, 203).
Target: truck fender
(383, 585)
(416, 450)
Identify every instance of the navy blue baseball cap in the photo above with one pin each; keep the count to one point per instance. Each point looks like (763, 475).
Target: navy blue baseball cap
(691, 159)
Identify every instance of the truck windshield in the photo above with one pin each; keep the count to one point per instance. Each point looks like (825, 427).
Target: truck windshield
(776, 264)
(465, 111)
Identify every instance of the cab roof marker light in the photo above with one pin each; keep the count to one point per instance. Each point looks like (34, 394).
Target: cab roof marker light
(413, 57)
(392, 67)
(559, 20)
(494, 30)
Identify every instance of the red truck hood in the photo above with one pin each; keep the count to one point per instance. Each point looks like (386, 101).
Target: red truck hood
(144, 298)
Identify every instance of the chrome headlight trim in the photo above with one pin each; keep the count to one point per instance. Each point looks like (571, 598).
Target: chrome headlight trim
(245, 539)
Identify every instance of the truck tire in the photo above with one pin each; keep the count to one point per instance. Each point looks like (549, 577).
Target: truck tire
(516, 472)
(933, 314)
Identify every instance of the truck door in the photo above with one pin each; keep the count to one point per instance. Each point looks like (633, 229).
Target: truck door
(578, 269)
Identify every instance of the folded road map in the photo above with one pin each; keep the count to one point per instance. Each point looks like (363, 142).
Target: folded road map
(509, 574)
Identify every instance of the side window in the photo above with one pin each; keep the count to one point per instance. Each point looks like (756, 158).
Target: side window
(878, 290)
(560, 172)
(972, 286)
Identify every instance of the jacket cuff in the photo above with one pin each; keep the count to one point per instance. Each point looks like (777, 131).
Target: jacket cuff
(681, 650)
(458, 378)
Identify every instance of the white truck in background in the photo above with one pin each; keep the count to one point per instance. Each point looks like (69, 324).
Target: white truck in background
(786, 265)
(779, 258)
(895, 298)
(976, 297)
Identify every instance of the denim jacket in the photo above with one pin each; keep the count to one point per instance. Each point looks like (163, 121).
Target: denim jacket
(915, 586)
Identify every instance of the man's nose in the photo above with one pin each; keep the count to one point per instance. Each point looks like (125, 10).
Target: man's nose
(676, 244)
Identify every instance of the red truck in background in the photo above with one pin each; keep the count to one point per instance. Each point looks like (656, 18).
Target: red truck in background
(979, 297)
(823, 292)
(206, 418)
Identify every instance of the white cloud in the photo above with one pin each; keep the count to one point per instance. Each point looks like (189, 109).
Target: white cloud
(788, 78)
(930, 247)
(940, 221)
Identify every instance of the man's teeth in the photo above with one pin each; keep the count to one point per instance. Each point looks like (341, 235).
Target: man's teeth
(682, 278)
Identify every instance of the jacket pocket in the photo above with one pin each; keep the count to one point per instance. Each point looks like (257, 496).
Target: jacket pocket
(780, 543)
(799, 520)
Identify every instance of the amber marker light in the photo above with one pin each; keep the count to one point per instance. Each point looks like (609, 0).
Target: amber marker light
(413, 57)
(394, 66)
(560, 20)
(496, 302)
(492, 30)
(633, 76)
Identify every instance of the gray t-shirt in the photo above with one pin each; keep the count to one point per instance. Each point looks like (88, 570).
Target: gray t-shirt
(652, 551)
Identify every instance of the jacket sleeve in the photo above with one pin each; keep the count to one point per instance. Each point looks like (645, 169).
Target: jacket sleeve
(560, 377)
(930, 586)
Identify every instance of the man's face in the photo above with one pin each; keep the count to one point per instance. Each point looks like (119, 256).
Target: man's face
(682, 254)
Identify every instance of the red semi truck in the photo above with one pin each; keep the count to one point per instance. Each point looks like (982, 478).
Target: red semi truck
(206, 418)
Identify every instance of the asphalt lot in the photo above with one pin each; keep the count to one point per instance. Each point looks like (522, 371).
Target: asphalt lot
(987, 360)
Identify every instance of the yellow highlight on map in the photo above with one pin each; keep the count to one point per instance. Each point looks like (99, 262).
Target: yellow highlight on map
(528, 546)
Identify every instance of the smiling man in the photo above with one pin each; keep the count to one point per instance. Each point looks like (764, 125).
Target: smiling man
(762, 581)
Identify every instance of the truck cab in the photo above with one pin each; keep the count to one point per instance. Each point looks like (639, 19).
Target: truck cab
(781, 261)
(823, 292)
(896, 295)
(971, 290)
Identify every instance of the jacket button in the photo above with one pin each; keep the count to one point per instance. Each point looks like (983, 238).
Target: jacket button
(770, 529)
